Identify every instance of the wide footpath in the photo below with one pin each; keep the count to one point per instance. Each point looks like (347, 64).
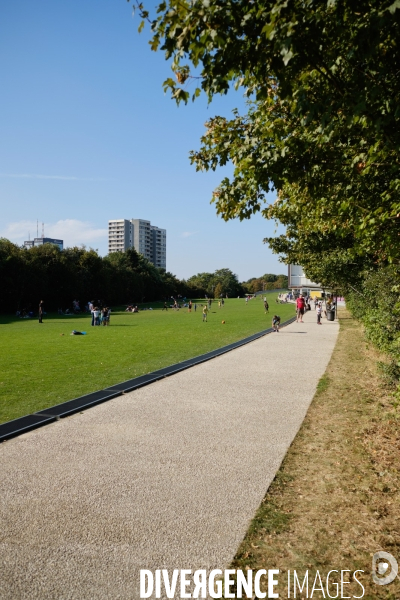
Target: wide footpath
(168, 476)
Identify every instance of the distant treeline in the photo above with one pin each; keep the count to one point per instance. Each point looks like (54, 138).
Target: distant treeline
(269, 281)
(60, 276)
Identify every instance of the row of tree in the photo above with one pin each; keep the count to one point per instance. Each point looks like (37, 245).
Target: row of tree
(221, 283)
(59, 277)
(266, 282)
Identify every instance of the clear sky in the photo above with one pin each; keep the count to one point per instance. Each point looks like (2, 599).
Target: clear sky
(88, 135)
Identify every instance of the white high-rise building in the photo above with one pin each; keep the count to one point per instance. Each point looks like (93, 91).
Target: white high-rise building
(149, 240)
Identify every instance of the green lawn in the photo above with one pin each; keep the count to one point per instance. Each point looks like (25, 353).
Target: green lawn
(43, 365)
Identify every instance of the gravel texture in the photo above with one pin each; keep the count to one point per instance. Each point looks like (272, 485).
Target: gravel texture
(168, 476)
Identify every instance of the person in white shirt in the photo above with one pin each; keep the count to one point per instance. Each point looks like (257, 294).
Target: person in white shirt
(96, 315)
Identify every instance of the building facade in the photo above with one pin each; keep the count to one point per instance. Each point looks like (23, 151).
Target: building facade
(299, 283)
(147, 239)
(43, 240)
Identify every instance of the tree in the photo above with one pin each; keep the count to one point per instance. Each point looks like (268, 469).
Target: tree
(229, 283)
(12, 276)
(324, 127)
(203, 281)
(218, 291)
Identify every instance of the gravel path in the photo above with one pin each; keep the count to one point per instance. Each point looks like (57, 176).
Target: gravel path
(168, 476)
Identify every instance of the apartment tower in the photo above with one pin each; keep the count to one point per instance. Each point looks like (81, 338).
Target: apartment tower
(149, 240)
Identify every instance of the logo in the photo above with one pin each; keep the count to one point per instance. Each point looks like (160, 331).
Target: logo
(384, 568)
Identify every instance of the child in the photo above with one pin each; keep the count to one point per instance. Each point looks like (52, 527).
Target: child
(205, 311)
(276, 321)
(319, 313)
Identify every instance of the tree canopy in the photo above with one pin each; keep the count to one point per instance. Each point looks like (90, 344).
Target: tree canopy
(221, 282)
(322, 126)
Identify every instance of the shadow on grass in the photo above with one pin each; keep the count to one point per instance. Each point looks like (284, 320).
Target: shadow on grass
(122, 325)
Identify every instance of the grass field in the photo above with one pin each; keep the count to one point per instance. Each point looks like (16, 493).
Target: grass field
(43, 365)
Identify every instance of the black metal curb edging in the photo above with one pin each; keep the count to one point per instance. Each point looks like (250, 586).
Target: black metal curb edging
(49, 415)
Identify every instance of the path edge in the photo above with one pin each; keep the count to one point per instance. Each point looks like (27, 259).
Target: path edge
(11, 429)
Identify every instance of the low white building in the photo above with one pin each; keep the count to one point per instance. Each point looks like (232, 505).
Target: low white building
(299, 283)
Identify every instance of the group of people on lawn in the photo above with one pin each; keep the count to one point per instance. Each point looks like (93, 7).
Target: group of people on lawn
(100, 316)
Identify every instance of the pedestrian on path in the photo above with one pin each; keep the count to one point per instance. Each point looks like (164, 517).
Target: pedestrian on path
(319, 313)
(276, 321)
(300, 306)
(205, 311)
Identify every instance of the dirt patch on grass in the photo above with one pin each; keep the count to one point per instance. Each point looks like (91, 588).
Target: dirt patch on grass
(335, 500)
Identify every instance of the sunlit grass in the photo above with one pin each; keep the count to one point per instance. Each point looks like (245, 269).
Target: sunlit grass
(43, 365)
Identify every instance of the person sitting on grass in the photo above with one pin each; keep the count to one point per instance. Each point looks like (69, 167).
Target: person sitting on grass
(276, 321)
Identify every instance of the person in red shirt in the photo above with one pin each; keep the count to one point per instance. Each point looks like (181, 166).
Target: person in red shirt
(300, 306)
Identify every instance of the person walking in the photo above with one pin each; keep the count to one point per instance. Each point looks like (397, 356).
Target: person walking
(41, 303)
(205, 311)
(319, 313)
(266, 306)
(300, 306)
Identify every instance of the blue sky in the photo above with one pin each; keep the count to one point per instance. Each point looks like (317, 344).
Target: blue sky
(88, 135)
